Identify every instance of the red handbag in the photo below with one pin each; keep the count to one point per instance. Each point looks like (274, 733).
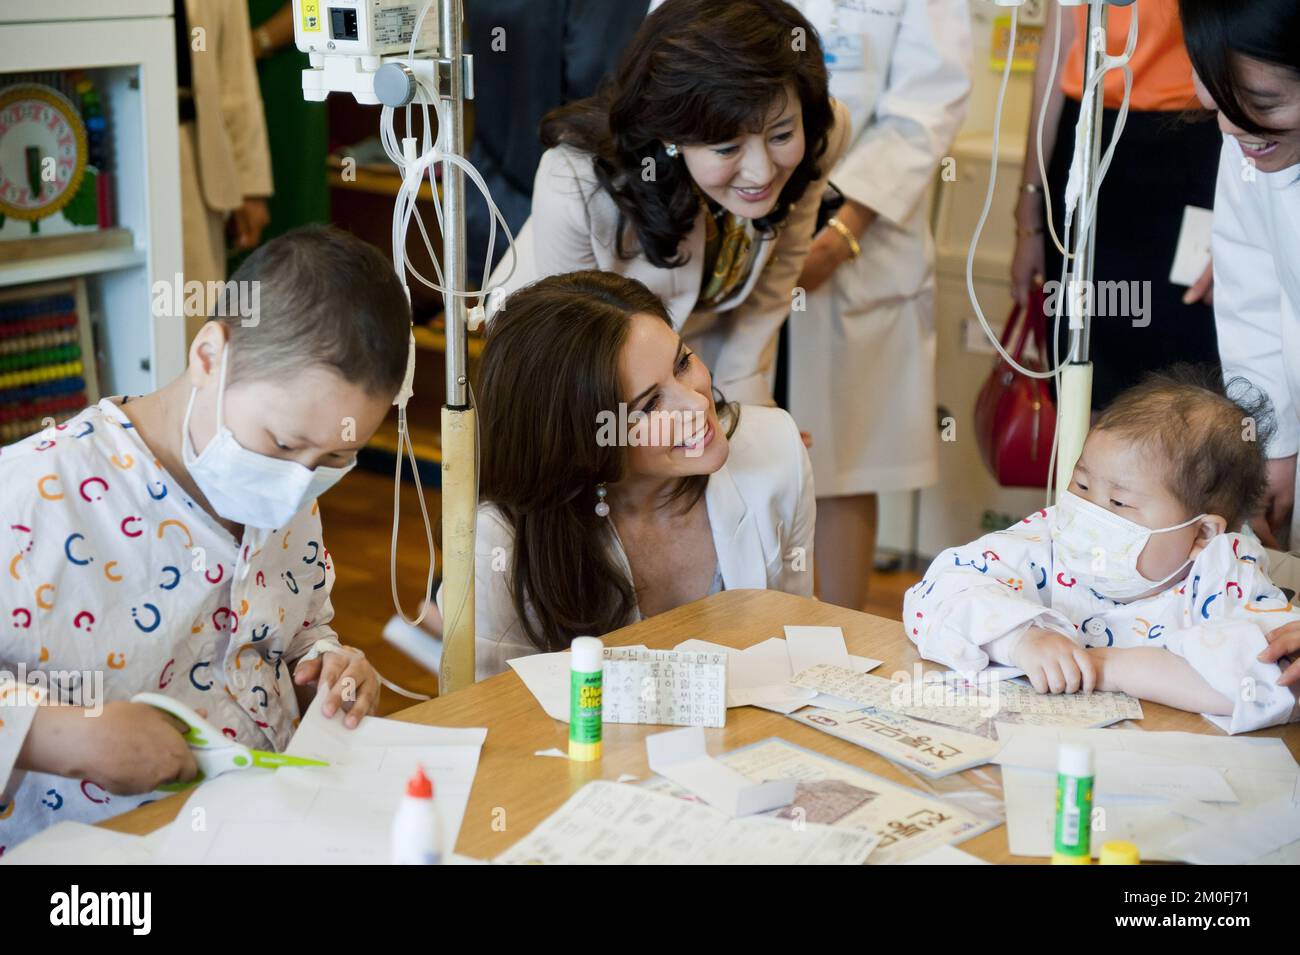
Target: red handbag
(1015, 416)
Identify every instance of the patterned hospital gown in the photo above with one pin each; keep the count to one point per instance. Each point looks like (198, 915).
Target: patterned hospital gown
(110, 575)
(976, 599)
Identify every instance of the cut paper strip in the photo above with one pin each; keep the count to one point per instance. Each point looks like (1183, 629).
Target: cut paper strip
(665, 687)
(682, 757)
(810, 646)
(929, 748)
(655, 687)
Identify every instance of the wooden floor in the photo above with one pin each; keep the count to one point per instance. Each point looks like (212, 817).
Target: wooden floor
(358, 520)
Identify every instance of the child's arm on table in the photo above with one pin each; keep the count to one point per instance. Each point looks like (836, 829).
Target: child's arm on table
(1155, 674)
(127, 748)
(987, 601)
(1053, 663)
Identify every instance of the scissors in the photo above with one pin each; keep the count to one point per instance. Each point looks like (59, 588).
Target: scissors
(214, 752)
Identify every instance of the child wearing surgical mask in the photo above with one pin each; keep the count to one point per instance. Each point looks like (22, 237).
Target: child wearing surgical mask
(172, 542)
(1132, 582)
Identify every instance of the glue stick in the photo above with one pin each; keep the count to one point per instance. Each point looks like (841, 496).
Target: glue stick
(1073, 805)
(586, 673)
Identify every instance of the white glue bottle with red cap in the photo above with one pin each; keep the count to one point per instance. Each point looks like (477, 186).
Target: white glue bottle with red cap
(417, 826)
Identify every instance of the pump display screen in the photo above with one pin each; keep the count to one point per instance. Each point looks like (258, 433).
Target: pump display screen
(343, 24)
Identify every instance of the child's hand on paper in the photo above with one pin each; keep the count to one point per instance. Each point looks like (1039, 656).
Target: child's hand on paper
(348, 679)
(1054, 663)
(128, 748)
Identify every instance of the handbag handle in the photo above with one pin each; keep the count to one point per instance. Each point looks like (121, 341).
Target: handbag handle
(1036, 315)
(1019, 316)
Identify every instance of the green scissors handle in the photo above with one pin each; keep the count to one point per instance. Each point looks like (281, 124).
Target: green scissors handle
(214, 753)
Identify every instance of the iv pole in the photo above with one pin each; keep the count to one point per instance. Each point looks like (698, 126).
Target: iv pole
(459, 428)
(344, 59)
(1075, 398)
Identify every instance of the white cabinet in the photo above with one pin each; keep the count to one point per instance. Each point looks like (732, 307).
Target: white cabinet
(127, 47)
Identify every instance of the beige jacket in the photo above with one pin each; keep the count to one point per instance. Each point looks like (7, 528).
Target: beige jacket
(573, 225)
(234, 160)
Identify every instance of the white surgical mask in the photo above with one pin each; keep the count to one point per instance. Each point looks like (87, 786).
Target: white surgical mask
(246, 487)
(1100, 549)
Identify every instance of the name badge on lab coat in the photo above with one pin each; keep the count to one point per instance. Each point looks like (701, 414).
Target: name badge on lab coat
(844, 51)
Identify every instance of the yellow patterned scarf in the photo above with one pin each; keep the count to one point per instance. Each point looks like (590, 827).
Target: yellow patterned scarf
(730, 251)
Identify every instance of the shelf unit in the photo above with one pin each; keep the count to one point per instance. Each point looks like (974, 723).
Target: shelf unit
(128, 48)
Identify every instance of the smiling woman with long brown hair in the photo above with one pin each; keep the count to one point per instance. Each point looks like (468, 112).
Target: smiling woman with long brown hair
(698, 170)
(616, 482)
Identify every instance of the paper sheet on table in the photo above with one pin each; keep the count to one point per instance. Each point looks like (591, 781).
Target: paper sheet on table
(341, 813)
(606, 823)
(1120, 773)
(681, 756)
(969, 706)
(820, 646)
(946, 855)
(1241, 837)
(546, 675)
(759, 675)
(665, 687)
(76, 843)
(929, 748)
(1256, 770)
(810, 646)
(833, 793)
(967, 711)
(990, 674)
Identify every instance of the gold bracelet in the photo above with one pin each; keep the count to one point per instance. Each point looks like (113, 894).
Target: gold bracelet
(854, 249)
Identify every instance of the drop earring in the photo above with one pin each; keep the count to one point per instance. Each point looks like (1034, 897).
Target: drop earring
(671, 150)
(602, 509)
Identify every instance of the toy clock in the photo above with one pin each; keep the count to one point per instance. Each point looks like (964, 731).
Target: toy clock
(43, 152)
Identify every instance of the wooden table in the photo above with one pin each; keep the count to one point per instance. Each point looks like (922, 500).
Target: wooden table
(515, 790)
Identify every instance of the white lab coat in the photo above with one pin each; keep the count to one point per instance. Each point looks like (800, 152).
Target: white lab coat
(761, 511)
(976, 601)
(862, 354)
(1257, 289)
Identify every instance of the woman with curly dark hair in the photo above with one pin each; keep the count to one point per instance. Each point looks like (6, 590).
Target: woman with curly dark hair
(698, 170)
